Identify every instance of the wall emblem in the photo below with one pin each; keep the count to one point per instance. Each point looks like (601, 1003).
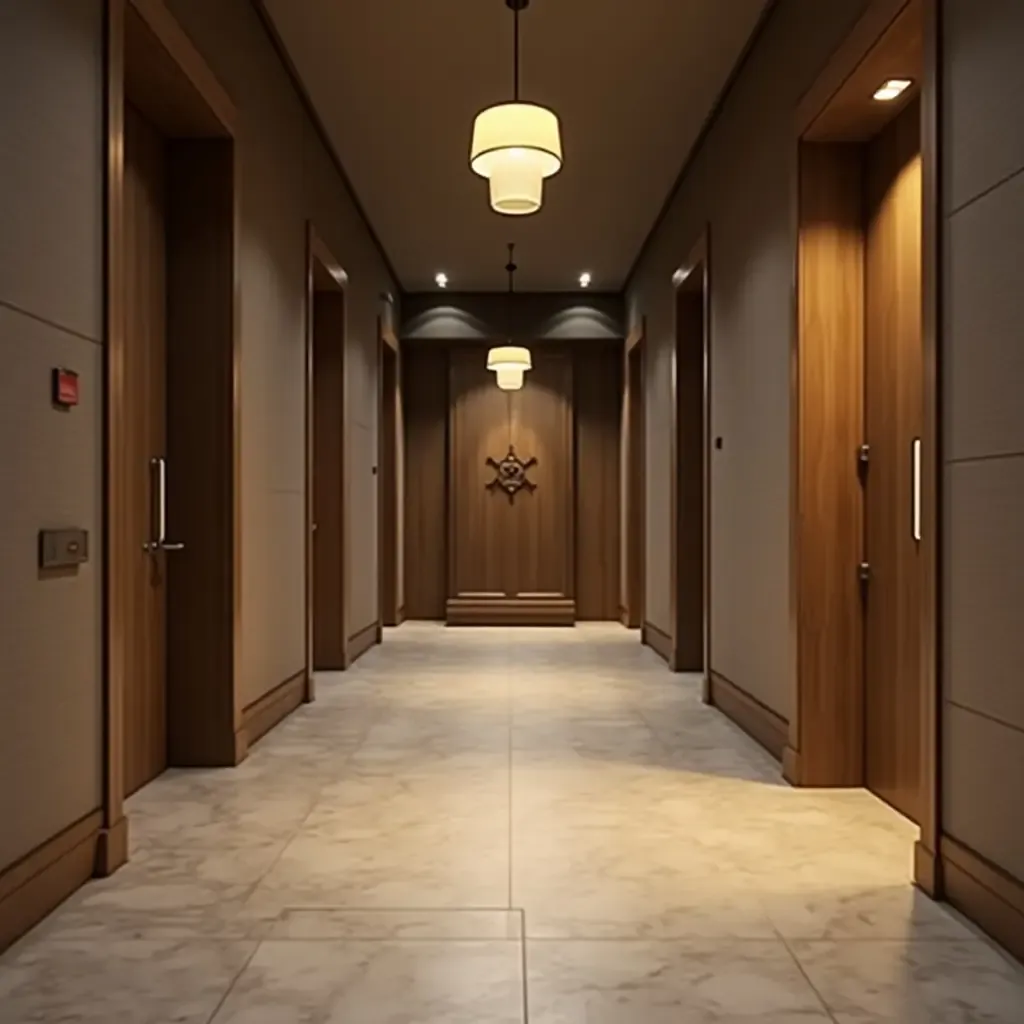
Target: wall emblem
(510, 473)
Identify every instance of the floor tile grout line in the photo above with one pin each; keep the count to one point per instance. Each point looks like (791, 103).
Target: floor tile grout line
(524, 968)
(234, 981)
(800, 967)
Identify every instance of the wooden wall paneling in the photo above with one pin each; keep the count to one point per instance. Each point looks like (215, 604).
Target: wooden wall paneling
(330, 630)
(598, 400)
(826, 738)
(425, 386)
(387, 481)
(893, 414)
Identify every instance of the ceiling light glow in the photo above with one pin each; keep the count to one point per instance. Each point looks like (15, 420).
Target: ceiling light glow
(585, 279)
(892, 88)
(441, 279)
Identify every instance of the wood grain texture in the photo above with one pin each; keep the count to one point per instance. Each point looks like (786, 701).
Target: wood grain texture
(597, 378)
(487, 610)
(40, 881)
(330, 630)
(425, 405)
(145, 380)
(753, 717)
(273, 707)
(387, 477)
(893, 418)
(523, 547)
(826, 734)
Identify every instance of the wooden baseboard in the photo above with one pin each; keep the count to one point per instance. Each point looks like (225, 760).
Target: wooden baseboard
(39, 882)
(359, 643)
(754, 718)
(513, 611)
(791, 765)
(272, 708)
(985, 893)
(927, 871)
(658, 641)
(112, 848)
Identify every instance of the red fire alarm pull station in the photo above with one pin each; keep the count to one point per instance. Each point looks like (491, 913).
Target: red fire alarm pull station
(65, 388)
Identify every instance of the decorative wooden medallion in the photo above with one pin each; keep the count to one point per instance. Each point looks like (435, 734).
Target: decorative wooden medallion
(510, 473)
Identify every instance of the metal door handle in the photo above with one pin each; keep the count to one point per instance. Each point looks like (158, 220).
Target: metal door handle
(161, 543)
(915, 500)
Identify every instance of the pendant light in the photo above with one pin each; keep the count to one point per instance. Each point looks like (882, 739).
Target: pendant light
(516, 145)
(510, 362)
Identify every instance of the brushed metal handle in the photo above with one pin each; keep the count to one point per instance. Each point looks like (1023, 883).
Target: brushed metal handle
(161, 543)
(915, 464)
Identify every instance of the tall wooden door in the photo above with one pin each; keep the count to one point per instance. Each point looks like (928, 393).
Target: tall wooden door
(893, 420)
(145, 370)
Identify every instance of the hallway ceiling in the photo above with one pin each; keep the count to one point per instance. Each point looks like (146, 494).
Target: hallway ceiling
(396, 85)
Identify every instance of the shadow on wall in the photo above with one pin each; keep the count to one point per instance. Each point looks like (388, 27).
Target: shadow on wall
(537, 316)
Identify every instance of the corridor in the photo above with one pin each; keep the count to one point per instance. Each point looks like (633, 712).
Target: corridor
(502, 826)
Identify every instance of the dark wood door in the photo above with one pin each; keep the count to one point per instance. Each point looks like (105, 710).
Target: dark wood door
(329, 628)
(388, 484)
(636, 487)
(145, 388)
(893, 419)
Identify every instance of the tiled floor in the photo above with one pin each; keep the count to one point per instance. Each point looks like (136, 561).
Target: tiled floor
(501, 826)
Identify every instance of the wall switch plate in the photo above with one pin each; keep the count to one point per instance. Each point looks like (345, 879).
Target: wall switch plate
(63, 549)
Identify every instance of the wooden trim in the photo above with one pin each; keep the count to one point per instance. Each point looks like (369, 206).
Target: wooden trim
(183, 52)
(658, 640)
(387, 334)
(513, 611)
(360, 642)
(116, 610)
(259, 717)
(754, 718)
(931, 450)
(39, 882)
(871, 26)
(636, 333)
(984, 893)
(634, 521)
(318, 126)
(697, 261)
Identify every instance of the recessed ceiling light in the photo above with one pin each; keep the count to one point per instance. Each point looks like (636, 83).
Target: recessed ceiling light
(585, 280)
(441, 279)
(892, 88)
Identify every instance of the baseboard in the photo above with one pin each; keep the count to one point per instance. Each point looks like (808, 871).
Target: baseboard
(512, 611)
(658, 641)
(272, 708)
(359, 643)
(791, 765)
(985, 893)
(754, 718)
(39, 882)
(111, 849)
(927, 871)
(391, 621)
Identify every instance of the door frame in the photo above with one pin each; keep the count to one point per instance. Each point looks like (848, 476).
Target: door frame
(321, 261)
(388, 507)
(695, 271)
(207, 112)
(634, 519)
(826, 694)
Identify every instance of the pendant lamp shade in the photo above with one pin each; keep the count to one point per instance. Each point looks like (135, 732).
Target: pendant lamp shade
(516, 146)
(509, 363)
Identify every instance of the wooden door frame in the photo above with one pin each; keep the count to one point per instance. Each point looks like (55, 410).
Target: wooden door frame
(390, 612)
(634, 521)
(318, 254)
(806, 760)
(179, 52)
(697, 263)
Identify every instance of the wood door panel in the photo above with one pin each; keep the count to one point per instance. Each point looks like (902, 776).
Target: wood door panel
(893, 418)
(145, 697)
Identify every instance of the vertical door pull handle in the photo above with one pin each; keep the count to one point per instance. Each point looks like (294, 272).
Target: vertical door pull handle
(915, 464)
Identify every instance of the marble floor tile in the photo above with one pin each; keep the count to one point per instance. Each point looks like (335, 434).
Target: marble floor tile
(389, 982)
(119, 981)
(914, 982)
(344, 923)
(668, 983)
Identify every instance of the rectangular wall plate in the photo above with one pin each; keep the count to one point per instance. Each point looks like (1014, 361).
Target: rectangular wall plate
(63, 549)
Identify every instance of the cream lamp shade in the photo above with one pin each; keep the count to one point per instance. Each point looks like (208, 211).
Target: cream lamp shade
(516, 146)
(509, 363)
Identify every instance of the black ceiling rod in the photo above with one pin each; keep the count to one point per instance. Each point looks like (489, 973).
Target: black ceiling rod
(516, 6)
(511, 268)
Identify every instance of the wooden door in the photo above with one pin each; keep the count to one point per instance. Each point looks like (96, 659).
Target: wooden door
(636, 488)
(893, 419)
(330, 635)
(145, 388)
(388, 484)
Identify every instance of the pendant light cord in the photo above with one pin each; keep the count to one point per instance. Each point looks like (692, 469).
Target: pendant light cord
(515, 56)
